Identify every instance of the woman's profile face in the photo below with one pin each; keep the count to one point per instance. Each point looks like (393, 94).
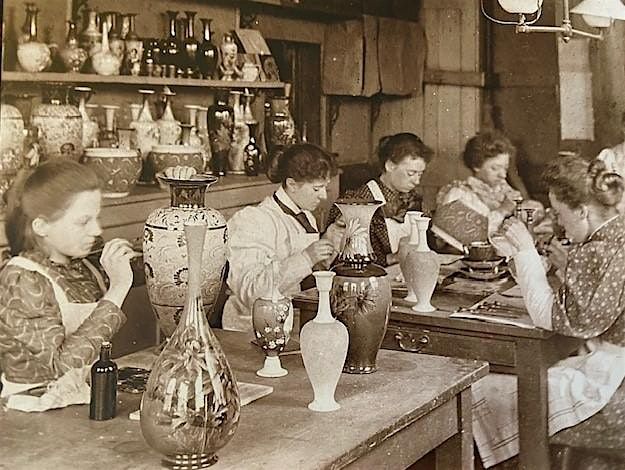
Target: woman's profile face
(573, 220)
(493, 171)
(72, 235)
(307, 194)
(405, 175)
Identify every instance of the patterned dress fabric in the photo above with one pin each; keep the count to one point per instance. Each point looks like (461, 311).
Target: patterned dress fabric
(586, 391)
(397, 204)
(33, 344)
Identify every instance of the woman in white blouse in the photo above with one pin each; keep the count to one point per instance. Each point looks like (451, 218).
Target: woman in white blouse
(276, 244)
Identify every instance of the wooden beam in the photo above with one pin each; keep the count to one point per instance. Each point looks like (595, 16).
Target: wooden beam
(455, 78)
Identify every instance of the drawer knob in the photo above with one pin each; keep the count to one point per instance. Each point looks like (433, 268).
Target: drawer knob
(412, 343)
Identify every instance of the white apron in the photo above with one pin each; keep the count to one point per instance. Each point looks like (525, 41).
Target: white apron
(578, 388)
(72, 314)
(396, 230)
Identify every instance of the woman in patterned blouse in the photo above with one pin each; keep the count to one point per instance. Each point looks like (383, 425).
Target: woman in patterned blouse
(586, 392)
(55, 307)
(486, 192)
(403, 158)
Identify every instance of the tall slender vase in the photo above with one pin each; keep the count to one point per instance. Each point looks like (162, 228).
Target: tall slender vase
(324, 342)
(164, 251)
(169, 127)
(361, 294)
(421, 266)
(404, 249)
(207, 54)
(220, 120)
(191, 405)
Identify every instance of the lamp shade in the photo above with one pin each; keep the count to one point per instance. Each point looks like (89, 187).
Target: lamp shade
(521, 6)
(610, 9)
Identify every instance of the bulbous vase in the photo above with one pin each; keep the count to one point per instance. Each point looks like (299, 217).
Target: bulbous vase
(272, 319)
(361, 292)
(404, 247)
(164, 250)
(11, 146)
(324, 342)
(421, 266)
(60, 127)
(191, 406)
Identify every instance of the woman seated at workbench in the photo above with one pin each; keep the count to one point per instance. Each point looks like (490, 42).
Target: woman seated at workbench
(586, 392)
(55, 306)
(403, 158)
(276, 244)
(472, 209)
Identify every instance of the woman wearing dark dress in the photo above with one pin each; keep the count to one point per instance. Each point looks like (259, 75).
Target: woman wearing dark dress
(403, 158)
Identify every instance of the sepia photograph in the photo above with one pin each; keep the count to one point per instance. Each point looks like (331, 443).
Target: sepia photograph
(312, 234)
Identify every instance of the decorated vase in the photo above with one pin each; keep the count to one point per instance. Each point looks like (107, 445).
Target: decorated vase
(164, 250)
(11, 146)
(117, 169)
(220, 120)
(191, 406)
(73, 56)
(165, 156)
(421, 266)
(168, 126)
(324, 342)
(361, 292)
(272, 320)
(104, 60)
(60, 129)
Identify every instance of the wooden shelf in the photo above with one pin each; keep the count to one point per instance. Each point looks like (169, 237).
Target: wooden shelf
(70, 77)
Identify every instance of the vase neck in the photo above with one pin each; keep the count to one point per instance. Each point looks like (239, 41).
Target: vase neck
(172, 23)
(190, 32)
(421, 224)
(206, 29)
(187, 195)
(357, 250)
(324, 280)
(193, 314)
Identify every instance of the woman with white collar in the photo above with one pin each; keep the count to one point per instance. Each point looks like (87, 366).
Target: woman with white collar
(277, 243)
(403, 158)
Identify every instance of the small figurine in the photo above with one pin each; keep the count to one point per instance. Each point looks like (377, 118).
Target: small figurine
(228, 67)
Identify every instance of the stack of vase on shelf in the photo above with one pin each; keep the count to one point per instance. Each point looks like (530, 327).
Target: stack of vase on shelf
(108, 44)
(218, 139)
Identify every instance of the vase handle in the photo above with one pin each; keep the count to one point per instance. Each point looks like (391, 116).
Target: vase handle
(409, 343)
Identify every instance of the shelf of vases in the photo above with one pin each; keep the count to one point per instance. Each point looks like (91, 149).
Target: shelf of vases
(70, 77)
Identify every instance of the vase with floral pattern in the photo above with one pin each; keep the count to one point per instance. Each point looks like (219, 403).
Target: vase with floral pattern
(73, 56)
(191, 406)
(220, 120)
(59, 125)
(272, 320)
(361, 292)
(117, 169)
(11, 146)
(105, 61)
(32, 55)
(164, 250)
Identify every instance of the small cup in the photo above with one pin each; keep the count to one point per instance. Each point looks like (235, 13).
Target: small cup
(481, 251)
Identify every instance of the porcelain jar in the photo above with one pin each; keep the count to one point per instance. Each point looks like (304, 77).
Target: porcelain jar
(361, 293)
(164, 250)
(165, 156)
(117, 169)
(191, 406)
(11, 146)
(60, 128)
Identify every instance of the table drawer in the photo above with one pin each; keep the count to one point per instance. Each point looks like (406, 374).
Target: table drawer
(440, 343)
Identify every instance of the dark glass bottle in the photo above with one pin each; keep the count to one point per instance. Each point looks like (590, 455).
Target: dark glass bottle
(220, 122)
(252, 152)
(103, 386)
(207, 54)
(190, 46)
(171, 47)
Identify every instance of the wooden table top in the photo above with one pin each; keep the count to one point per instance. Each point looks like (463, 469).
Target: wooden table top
(276, 431)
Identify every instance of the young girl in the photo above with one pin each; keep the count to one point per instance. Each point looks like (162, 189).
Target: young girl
(277, 242)
(55, 307)
(403, 158)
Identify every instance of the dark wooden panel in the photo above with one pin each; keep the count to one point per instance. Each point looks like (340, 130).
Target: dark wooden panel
(432, 341)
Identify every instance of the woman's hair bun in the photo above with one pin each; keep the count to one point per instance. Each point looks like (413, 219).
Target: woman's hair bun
(605, 185)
